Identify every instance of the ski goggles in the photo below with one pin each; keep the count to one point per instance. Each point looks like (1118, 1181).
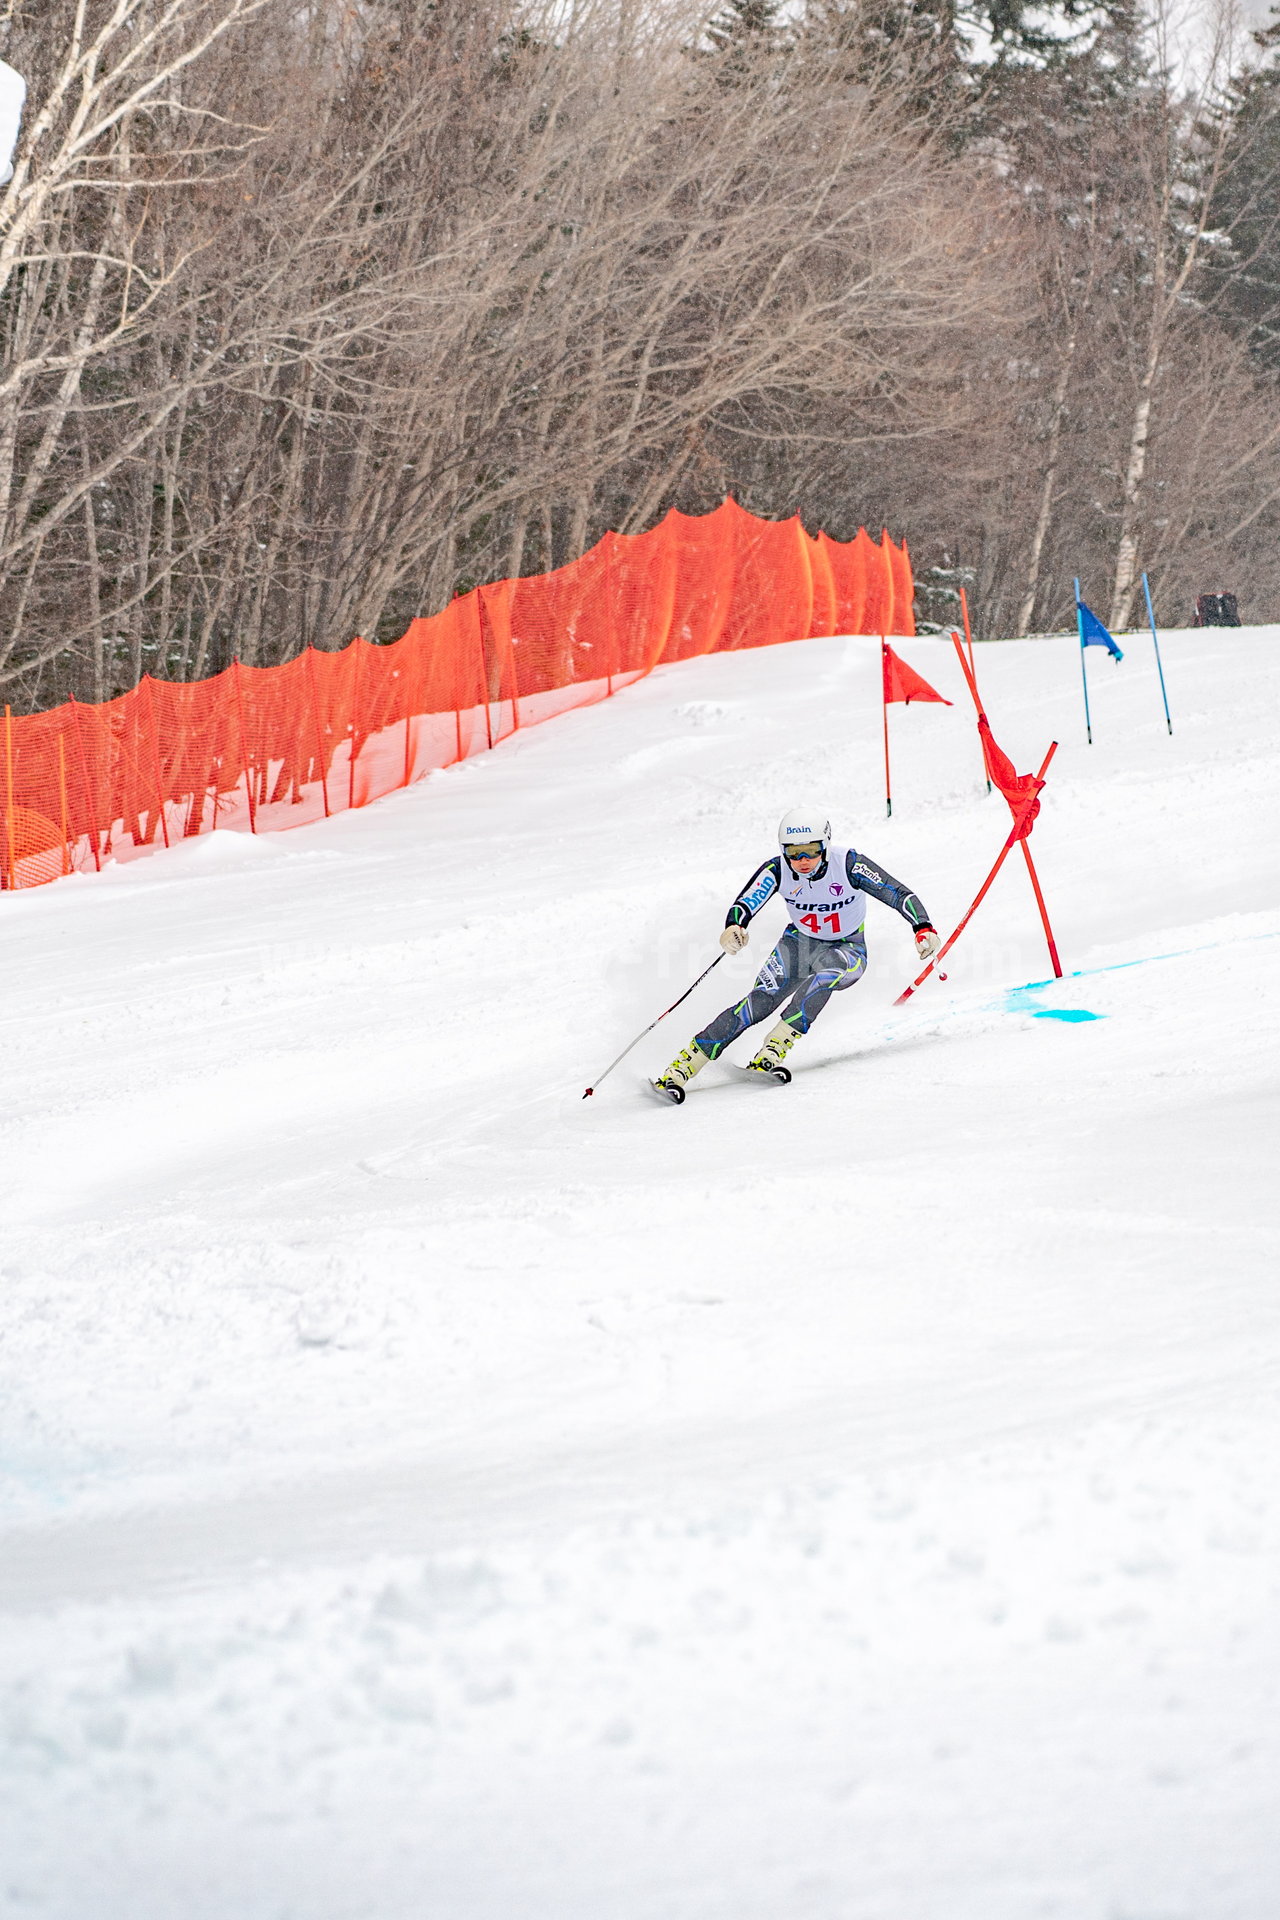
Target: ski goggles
(813, 851)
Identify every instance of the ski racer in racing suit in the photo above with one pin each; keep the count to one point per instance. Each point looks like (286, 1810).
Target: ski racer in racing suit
(822, 951)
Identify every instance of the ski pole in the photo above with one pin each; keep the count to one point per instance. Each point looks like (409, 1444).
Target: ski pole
(649, 1029)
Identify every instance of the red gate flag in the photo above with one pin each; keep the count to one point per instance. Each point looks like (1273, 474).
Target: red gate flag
(1013, 840)
(902, 682)
(898, 681)
(1021, 790)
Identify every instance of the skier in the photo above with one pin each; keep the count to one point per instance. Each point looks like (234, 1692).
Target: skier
(822, 952)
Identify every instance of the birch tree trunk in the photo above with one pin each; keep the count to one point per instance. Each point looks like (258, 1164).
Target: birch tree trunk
(1026, 612)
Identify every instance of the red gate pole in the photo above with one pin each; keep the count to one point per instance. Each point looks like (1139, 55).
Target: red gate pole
(968, 633)
(973, 672)
(884, 709)
(244, 751)
(985, 888)
(947, 945)
(969, 677)
(1044, 915)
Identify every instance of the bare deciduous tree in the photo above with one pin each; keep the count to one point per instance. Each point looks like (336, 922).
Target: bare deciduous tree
(312, 316)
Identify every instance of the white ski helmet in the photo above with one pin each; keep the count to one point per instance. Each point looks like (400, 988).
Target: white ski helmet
(800, 827)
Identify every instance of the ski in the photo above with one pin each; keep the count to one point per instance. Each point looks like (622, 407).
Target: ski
(669, 1096)
(675, 1096)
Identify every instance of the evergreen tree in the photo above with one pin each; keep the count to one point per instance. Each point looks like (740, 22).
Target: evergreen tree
(746, 23)
(954, 47)
(742, 34)
(1244, 274)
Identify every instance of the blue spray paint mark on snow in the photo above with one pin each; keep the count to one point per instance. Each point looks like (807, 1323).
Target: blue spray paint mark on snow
(1018, 999)
(1021, 1000)
(1148, 960)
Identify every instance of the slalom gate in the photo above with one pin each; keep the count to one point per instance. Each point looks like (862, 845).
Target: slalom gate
(258, 749)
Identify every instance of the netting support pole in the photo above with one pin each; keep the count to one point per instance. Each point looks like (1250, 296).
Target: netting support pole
(155, 759)
(487, 631)
(244, 751)
(8, 775)
(608, 610)
(484, 666)
(355, 722)
(90, 794)
(515, 682)
(62, 798)
(884, 710)
(315, 714)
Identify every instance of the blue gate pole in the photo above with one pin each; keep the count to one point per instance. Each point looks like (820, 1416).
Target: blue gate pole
(1151, 616)
(1088, 725)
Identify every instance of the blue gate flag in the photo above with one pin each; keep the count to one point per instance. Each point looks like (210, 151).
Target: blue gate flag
(1094, 634)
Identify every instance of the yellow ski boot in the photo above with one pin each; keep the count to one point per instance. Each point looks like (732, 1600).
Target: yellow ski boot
(671, 1084)
(769, 1062)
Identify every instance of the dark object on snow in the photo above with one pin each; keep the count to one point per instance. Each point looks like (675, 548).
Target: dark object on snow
(1217, 610)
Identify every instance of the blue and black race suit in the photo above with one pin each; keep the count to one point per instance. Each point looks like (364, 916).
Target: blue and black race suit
(811, 961)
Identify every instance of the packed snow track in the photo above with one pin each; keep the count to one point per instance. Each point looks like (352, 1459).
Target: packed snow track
(431, 1496)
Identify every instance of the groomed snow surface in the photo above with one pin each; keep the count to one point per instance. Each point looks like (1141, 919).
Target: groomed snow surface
(431, 1496)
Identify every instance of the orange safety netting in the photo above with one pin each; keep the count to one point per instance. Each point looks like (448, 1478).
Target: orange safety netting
(261, 748)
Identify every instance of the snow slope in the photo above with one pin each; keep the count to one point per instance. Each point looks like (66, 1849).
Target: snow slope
(429, 1496)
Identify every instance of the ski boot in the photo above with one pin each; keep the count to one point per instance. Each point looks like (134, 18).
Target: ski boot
(671, 1084)
(769, 1061)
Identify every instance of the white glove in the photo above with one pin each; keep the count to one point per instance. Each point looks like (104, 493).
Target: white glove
(734, 939)
(927, 943)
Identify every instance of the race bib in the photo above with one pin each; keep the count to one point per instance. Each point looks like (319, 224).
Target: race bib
(825, 909)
